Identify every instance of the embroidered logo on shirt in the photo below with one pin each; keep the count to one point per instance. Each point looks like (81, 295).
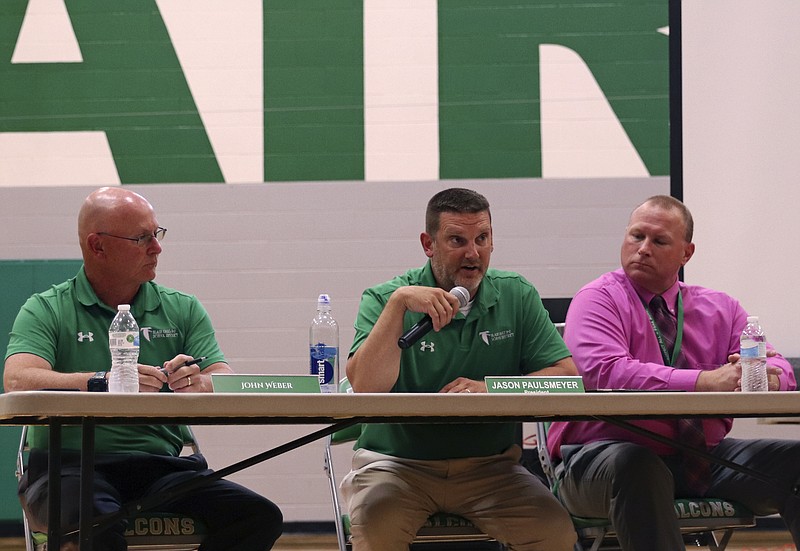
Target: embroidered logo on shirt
(151, 334)
(82, 336)
(488, 337)
(425, 345)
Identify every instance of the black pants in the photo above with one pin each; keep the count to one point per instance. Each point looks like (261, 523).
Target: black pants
(634, 488)
(236, 517)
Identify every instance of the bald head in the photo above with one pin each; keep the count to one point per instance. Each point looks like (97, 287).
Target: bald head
(108, 207)
(116, 260)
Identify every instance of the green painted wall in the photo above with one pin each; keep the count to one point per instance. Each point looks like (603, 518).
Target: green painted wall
(489, 120)
(132, 86)
(313, 90)
(21, 279)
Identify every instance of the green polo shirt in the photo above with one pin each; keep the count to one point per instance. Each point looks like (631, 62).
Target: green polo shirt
(67, 325)
(507, 332)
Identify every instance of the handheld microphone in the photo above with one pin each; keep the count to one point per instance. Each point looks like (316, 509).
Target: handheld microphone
(426, 324)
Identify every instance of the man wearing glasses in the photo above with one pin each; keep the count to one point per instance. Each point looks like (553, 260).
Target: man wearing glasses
(60, 341)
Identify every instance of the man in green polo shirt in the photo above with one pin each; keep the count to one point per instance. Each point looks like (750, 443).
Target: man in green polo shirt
(406, 472)
(60, 340)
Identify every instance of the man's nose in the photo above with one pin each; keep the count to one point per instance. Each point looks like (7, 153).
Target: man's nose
(154, 247)
(472, 250)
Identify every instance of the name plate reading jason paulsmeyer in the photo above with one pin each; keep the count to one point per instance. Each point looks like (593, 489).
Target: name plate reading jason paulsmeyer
(308, 384)
(534, 385)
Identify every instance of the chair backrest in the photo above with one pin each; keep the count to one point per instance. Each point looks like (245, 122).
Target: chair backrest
(695, 516)
(544, 455)
(147, 531)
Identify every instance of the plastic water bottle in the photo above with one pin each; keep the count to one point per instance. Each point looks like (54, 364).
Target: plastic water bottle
(123, 342)
(323, 340)
(753, 352)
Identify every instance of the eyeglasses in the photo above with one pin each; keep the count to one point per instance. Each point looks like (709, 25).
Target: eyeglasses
(142, 240)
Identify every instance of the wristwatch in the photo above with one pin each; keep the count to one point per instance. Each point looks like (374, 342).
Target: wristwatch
(98, 382)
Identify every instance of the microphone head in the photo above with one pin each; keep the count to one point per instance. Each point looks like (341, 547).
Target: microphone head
(462, 294)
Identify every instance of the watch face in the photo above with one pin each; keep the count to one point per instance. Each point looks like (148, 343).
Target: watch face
(98, 383)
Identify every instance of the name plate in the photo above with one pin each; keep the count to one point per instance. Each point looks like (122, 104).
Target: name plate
(534, 385)
(224, 382)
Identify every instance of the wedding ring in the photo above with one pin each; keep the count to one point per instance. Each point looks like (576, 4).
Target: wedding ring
(190, 381)
(467, 390)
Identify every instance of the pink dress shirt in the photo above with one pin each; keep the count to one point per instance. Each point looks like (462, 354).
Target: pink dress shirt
(614, 346)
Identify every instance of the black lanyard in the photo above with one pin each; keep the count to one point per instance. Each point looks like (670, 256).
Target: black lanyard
(678, 335)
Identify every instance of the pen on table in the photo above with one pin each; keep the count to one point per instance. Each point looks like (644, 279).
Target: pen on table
(184, 364)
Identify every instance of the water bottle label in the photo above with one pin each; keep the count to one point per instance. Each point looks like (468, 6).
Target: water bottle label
(123, 340)
(749, 351)
(323, 358)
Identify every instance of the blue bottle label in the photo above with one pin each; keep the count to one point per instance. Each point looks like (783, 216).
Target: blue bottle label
(323, 358)
(748, 351)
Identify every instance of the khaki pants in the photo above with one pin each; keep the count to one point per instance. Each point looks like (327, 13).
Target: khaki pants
(390, 498)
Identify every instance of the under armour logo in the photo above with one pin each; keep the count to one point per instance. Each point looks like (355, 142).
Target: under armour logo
(424, 345)
(88, 335)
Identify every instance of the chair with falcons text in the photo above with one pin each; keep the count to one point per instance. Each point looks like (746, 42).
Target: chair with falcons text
(708, 521)
(147, 531)
(442, 531)
(703, 521)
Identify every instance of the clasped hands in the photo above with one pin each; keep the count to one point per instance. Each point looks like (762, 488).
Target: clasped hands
(174, 373)
(728, 377)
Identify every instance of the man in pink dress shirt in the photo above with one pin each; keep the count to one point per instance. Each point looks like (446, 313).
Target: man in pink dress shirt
(612, 473)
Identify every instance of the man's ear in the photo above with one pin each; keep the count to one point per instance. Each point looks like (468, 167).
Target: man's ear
(95, 244)
(427, 244)
(688, 251)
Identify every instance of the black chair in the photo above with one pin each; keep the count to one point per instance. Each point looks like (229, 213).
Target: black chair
(147, 531)
(703, 521)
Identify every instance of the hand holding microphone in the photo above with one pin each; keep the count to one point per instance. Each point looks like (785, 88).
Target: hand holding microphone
(424, 325)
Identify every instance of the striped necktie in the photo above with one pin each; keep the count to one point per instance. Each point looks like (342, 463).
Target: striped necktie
(690, 431)
(666, 323)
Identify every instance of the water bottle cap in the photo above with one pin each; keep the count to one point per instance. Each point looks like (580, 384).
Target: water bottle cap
(752, 319)
(124, 308)
(324, 300)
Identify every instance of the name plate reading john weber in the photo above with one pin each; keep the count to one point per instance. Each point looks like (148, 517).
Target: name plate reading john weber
(308, 384)
(534, 385)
